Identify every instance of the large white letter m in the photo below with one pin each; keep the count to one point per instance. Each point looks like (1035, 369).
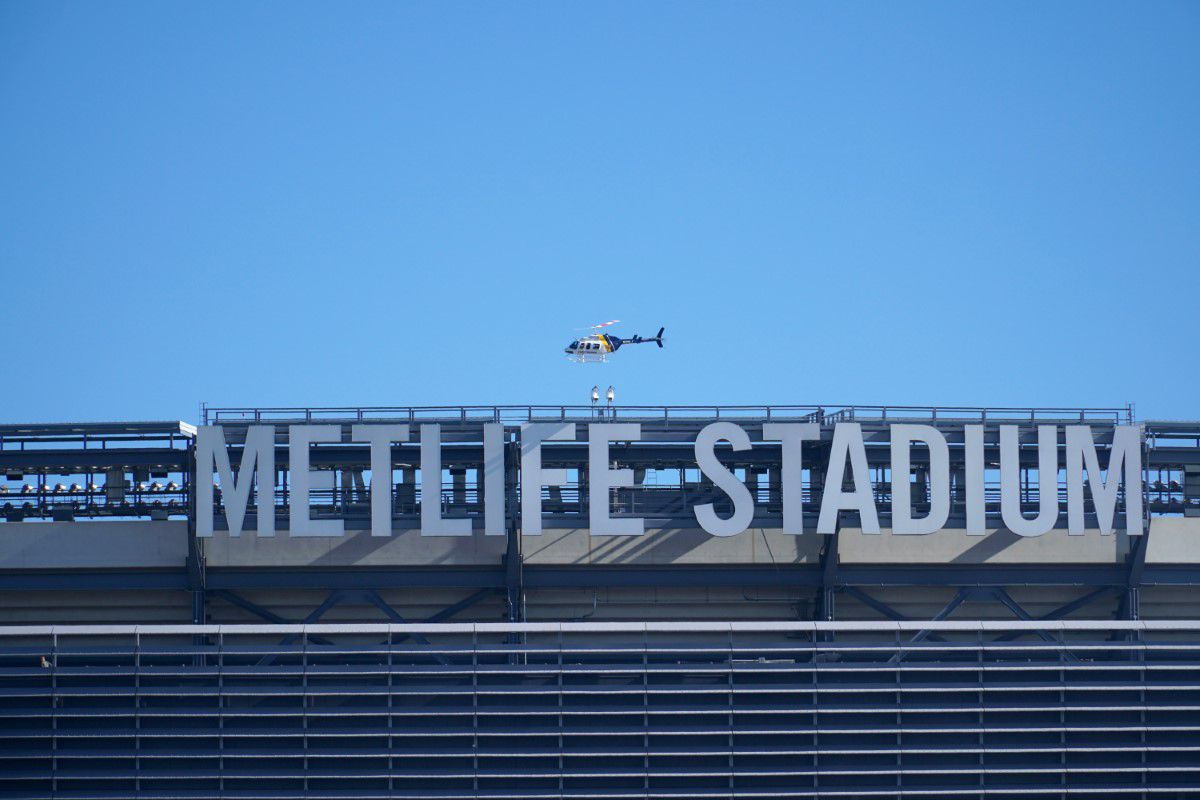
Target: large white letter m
(258, 460)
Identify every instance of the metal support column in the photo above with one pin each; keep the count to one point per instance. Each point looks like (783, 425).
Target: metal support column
(825, 606)
(514, 574)
(195, 556)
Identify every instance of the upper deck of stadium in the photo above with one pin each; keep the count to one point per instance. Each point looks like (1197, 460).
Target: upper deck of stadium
(99, 518)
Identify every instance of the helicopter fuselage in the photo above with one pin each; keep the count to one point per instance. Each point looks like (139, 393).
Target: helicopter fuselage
(593, 348)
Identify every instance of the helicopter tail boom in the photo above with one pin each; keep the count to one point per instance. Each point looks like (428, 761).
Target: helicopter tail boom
(657, 339)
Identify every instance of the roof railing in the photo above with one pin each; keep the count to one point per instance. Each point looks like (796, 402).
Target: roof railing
(514, 414)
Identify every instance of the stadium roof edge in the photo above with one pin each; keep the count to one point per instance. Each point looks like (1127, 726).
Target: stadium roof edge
(161, 427)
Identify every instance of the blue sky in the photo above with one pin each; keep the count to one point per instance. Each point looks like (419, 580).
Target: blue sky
(315, 204)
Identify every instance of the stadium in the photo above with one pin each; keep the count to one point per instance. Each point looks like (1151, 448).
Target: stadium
(602, 602)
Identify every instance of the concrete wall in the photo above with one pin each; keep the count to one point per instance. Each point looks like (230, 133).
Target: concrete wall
(356, 548)
(661, 546)
(150, 545)
(158, 545)
(1174, 540)
(555, 546)
(96, 544)
(1001, 546)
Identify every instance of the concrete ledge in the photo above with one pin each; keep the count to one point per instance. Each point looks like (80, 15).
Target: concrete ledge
(96, 544)
(1174, 540)
(663, 546)
(156, 545)
(998, 546)
(354, 549)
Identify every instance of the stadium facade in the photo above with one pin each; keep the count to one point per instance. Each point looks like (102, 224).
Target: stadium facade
(602, 602)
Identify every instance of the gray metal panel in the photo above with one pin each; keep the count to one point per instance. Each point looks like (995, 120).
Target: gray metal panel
(707, 709)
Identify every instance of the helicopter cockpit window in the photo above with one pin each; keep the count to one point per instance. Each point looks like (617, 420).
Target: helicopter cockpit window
(575, 344)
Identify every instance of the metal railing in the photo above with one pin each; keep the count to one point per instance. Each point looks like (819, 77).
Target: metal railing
(514, 414)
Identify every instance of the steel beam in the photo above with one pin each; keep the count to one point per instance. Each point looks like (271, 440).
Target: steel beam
(91, 580)
(349, 578)
(827, 595)
(873, 603)
(959, 598)
(253, 608)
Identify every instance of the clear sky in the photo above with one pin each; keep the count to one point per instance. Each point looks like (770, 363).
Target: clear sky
(396, 203)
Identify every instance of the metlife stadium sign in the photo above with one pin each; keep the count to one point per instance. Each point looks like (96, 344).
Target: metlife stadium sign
(845, 465)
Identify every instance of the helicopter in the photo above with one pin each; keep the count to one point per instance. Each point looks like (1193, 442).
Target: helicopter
(596, 346)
